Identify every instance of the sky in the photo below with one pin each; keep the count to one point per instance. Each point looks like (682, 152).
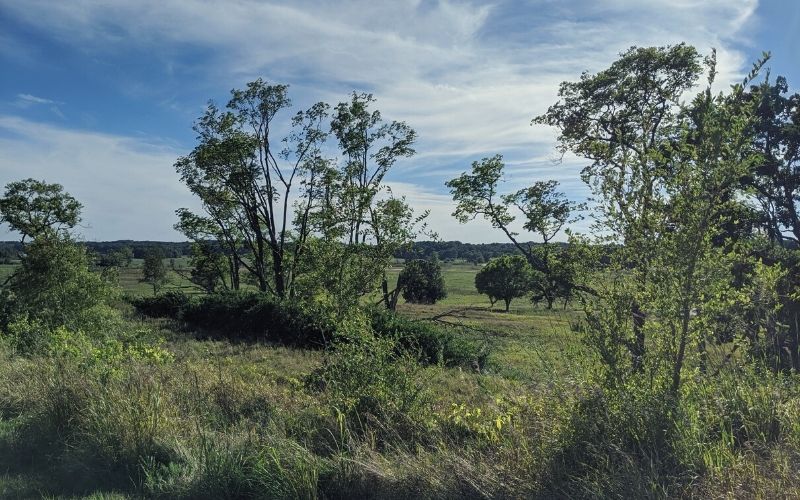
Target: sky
(101, 95)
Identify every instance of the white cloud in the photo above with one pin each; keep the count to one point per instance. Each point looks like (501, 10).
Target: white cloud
(468, 76)
(127, 186)
(32, 99)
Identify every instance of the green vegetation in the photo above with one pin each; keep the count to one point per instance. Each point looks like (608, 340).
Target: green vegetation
(277, 361)
(421, 282)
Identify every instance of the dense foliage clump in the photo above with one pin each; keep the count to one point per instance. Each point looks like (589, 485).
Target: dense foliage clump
(421, 282)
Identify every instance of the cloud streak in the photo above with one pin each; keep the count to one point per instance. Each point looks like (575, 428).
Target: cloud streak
(127, 186)
(468, 76)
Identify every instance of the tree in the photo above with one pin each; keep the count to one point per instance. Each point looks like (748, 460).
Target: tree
(421, 282)
(208, 267)
(775, 180)
(665, 174)
(153, 270)
(116, 258)
(542, 208)
(33, 208)
(371, 148)
(245, 181)
(622, 119)
(299, 224)
(55, 286)
(774, 184)
(505, 278)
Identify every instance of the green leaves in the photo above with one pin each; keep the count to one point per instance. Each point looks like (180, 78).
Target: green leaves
(505, 278)
(476, 193)
(33, 208)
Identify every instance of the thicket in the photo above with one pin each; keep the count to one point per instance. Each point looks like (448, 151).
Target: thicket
(255, 316)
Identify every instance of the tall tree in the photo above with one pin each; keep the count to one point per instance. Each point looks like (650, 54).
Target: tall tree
(542, 209)
(371, 147)
(776, 178)
(246, 179)
(621, 120)
(153, 270)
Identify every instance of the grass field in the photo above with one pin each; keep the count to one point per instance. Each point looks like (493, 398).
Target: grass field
(225, 419)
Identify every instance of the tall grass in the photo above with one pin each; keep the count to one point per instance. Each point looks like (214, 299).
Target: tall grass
(225, 421)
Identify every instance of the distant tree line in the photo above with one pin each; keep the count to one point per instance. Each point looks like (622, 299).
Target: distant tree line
(476, 253)
(9, 250)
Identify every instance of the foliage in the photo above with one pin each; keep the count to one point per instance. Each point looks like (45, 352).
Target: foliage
(421, 282)
(664, 174)
(153, 271)
(775, 180)
(245, 180)
(252, 315)
(505, 278)
(543, 210)
(429, 342)
(55, 286)
(121, 257)
(208, 267)
(34, 208)
(166, 305)
(371, 387)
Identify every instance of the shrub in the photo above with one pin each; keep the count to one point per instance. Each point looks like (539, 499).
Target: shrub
(255, 316)
(165, 305)
(55, 286)
(422, 282)
(371, 387)
(432, 343)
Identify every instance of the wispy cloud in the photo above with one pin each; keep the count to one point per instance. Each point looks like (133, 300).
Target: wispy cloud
(25, 101)
(28, 99)
(469, 76)
(127, 185)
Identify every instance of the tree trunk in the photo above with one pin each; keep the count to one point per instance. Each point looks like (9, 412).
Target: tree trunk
(638, 350)
(508, 304)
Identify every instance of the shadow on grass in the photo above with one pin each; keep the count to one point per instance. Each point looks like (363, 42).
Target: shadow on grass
(36, 464)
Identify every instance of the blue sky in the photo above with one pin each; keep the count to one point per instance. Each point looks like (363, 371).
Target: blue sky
(100, 95)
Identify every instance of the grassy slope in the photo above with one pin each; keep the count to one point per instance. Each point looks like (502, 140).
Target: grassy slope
(528, 346)
(535, 354)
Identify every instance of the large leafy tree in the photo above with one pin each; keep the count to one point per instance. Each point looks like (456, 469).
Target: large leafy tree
(370, 147)
(775, 180)
(664, 174)
(33, 208)
(246, 179)
(622, 120)
(421, 282)
(299, 224)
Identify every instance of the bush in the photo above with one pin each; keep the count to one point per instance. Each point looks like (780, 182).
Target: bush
(372, 387)
(255, 316)
(422, 282)
(244, 316)
(55, 286)
(432, 343)
(165, 305)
